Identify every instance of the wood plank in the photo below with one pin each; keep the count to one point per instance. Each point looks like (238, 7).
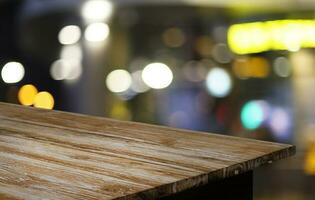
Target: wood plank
(58, 155)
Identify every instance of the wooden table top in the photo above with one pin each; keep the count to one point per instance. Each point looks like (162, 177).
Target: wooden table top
(57, 155)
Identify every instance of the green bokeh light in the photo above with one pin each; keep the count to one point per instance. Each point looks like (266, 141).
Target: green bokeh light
(252, 115)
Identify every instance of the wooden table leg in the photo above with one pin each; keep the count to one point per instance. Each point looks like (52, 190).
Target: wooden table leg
(239, 187)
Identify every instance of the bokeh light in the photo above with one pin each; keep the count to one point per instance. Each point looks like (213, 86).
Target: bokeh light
(257, 37)
(12, 72)
(69, 35)
(58, 69)
(309, 166)
(75, 70)
(280, 123)
(260, 67)
(194, 71)
(253, 67)
(248, 38)
(97, 10)
(44, 100)
(221, 53)
(137, 83)
(157, 75)
(302, 64)
(68, 69)
(241, 68)
(173, 37)
(204, 45)
(252, 115)
(96, 32)
(71, 52)
(120, 111)
(282, 67)
(118, 81)
(26, 94)
(266, 108)
(218, 82)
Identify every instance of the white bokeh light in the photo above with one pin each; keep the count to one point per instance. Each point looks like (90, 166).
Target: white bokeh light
(69, 35)
(58, 69)
(97, 10)
(137, 83)
(218, 82)
(71, 52)
(118, 81)
(96, 32)
(66, 69)
(12, 72)
(157, 75)
(282, 67)
(75, 70)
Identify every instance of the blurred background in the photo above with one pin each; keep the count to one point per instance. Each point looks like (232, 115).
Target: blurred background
(243, 68)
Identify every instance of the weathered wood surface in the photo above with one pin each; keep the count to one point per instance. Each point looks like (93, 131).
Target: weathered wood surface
(57, 155)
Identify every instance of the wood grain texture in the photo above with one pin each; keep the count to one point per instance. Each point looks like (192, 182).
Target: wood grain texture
(57, 155)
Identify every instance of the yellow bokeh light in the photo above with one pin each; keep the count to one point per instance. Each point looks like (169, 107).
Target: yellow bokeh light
(27, 94)
(44, 100)
(254, 67)
(204, 45)
(258, 37)
(259, 67)
(309, 166)
(248, 38)
(120, 111)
